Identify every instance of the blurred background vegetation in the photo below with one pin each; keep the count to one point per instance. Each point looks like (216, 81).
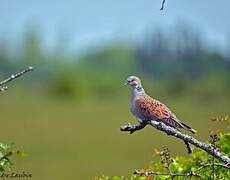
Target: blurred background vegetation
(66, 114)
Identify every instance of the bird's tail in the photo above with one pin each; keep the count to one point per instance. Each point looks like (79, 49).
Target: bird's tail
(186, 127)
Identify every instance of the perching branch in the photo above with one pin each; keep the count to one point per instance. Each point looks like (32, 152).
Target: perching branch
(186, 138)
(12, 77)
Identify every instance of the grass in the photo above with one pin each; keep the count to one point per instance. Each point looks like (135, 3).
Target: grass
(66, 138)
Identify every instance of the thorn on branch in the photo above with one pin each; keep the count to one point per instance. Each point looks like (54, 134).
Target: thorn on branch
(12, 77)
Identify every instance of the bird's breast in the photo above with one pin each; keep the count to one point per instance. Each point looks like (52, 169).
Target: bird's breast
(135, 110)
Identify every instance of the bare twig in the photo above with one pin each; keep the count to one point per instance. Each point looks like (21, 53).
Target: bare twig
(152, 173)
(162, 5)
(186, 138)
(12, 77)
(188, 147)
(211, 165)
(189, 174)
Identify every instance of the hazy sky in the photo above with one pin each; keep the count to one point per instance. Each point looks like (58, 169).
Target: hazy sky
(89, 22)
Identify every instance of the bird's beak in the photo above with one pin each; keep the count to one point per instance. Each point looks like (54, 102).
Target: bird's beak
(126, 84)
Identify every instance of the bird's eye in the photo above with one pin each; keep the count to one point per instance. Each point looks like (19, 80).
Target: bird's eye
(129, 81)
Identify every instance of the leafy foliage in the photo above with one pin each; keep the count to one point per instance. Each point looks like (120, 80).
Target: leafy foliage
(199, 164)
(181, 58)
(6, 152)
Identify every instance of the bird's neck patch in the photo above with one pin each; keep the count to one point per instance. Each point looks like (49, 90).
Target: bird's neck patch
(138, 88)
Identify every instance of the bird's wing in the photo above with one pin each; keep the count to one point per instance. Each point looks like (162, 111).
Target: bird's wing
(155, 110)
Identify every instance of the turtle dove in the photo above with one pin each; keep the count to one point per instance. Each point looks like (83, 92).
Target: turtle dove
(145, 108)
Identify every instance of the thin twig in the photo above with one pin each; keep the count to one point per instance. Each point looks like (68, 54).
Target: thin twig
(211, 165)
(12, 77)
(189, 174)
(186, 138)
(162, 5)
(151, 173)
(188, 147)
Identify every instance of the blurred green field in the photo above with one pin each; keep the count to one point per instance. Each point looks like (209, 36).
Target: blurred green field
(67, 113)
(76, 139)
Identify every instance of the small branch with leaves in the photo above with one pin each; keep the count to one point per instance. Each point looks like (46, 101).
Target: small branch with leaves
(6, 153)
(167, 161)
(13, 77)
(190, 174)
(213, 151)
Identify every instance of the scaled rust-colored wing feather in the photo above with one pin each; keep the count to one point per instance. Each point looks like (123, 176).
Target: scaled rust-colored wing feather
(154, 110)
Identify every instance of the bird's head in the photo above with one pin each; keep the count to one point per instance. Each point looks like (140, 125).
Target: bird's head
(133, 81)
